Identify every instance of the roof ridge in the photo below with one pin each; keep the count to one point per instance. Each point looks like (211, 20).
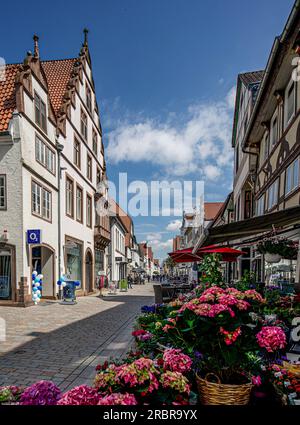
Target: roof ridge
(58, 60)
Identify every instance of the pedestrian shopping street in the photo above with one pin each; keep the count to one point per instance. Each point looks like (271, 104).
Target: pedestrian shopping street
(64, 343)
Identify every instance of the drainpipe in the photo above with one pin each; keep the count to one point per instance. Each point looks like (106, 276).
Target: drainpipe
(59, 148)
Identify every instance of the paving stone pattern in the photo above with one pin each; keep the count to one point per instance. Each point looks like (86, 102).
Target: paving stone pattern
(64, 343)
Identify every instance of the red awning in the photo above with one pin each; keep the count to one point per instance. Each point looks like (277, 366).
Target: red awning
(186, 255)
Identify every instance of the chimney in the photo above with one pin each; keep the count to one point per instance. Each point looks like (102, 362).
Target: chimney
(36, 53)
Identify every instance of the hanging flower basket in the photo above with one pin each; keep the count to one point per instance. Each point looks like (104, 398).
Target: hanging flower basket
(277, 248)
(272, 258)
(215, 393)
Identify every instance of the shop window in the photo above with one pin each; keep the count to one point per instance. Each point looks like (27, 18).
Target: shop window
(273, 194)
(292, 177)
(40, 112)
(73, 252)
(3, 192)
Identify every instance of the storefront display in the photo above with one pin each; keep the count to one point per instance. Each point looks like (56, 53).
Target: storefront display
(281, 274)
(73, 252)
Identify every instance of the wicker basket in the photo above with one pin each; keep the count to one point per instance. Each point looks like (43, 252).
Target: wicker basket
(216, 393)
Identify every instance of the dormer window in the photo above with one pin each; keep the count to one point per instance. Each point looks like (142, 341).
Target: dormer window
(40, 112)
(83, 125)
(88, 98)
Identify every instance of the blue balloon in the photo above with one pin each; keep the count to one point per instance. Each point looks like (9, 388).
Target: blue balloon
(62, 278)
(40, 288)
(40, 295)
(37, 279)
(34, 289)
(77, 283)
(59, 282)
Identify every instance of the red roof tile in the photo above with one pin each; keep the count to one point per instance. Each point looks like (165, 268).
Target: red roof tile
(7, 94)
(58, 74)
(211, 209)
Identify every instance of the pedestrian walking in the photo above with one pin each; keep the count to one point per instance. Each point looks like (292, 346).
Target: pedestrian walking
(129, 280)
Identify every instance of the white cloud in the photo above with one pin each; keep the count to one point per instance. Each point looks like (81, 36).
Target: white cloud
(202, 140)
(174, 225)
(158, 244)
(212, 172)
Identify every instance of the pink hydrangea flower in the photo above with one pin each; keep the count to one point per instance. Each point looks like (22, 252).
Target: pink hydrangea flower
(176, 361)
(271, 338)
(256, 380)
(175, 380)
(118, 399)
(139, 372)
(80, 396)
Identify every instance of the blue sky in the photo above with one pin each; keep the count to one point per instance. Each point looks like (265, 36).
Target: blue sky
(165, 72)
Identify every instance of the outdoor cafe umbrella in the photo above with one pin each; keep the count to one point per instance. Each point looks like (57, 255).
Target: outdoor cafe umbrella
(186, 255)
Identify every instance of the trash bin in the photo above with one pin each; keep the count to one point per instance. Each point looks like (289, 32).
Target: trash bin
(123, 285)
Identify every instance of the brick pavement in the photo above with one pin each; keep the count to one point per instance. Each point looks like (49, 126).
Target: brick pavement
(64, 343)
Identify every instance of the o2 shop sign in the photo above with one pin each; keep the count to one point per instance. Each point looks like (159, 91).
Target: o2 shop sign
(33, 236)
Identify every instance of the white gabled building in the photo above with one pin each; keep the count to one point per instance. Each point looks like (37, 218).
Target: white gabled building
(51, 161)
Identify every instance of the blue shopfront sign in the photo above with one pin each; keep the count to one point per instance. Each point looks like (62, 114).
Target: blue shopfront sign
(34, 236)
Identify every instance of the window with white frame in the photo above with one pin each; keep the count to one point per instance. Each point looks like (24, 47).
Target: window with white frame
(289, 102)
(292, 176)
(95, 142)
(69, 197)
(77, 153)
(88, 98)
(274, 131)
(89, 167)
(3, 191)
(79, 203)
(44, 155)
(88, 210)
(83, 125)
(260, 205)
(41, 201)
(40, 112)
(266, 142)
(273, 194)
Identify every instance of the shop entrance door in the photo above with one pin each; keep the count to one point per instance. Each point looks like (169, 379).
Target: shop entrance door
(5, 274)
(89, 272)
(43, 263)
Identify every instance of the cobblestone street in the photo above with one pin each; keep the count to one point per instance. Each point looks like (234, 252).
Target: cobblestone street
(64, 343)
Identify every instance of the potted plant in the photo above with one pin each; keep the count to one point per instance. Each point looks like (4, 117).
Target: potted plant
(217, 324)
(277, 248)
